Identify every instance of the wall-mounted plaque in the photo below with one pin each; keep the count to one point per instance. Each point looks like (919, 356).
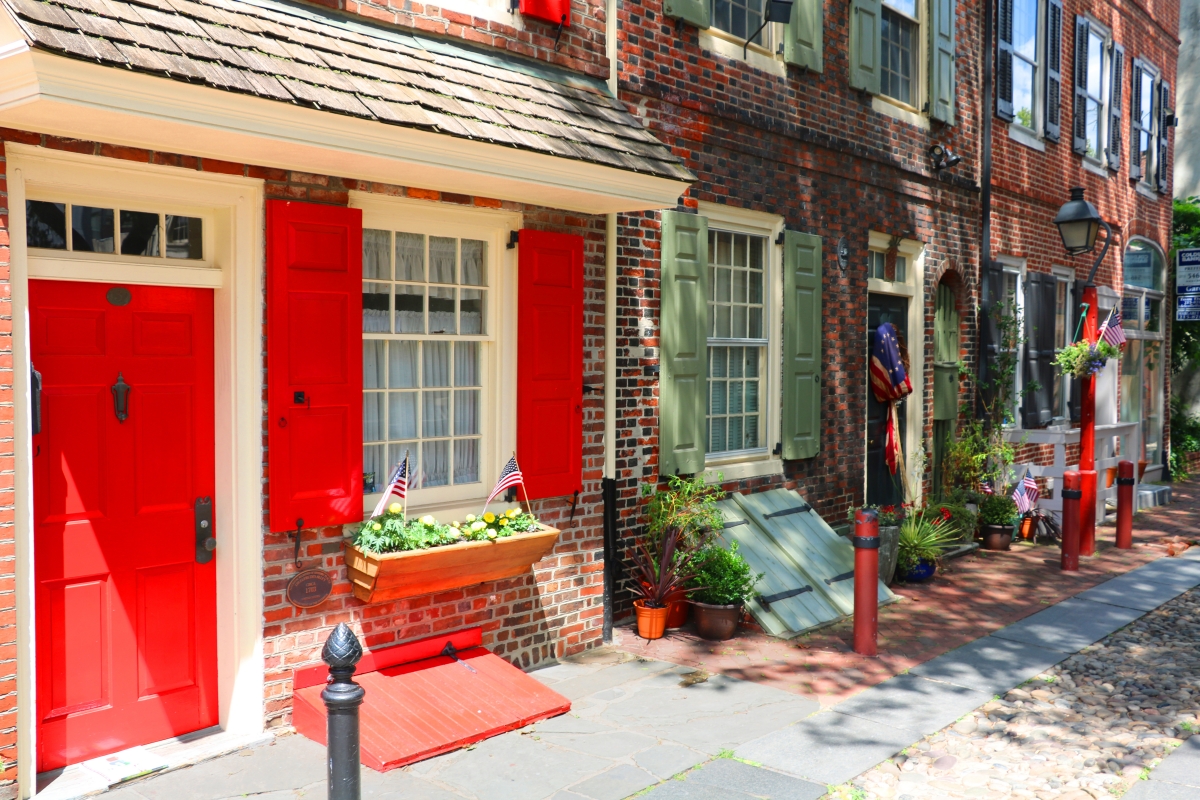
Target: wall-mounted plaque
(309, 588)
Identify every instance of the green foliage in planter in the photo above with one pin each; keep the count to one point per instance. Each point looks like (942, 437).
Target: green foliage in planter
(997, 509)
(391, 533)
(687, 504)
(889, 516)
(924, 536)
(722, 577)
(1082, 359)
(959, 519)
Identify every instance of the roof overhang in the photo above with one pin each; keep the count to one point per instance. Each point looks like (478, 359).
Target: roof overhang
(50, 94)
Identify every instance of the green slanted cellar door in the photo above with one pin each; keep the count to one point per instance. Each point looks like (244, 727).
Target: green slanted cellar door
(807, 568)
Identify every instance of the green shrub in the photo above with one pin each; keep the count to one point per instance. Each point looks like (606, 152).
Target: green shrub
(997, 509)
(722, 576)
(960, 519)
(924, 536)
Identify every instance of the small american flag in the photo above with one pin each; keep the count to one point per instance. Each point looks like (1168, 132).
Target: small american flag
(397, 487)
(509, 476)
(1021, 495)
(986, 487)
(1111, 331)
(1031, 488)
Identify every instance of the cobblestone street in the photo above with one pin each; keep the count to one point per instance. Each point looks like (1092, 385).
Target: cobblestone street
(1090, 727)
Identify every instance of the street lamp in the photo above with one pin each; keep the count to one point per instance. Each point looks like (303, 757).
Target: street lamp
(777, 11)
(1079, 223)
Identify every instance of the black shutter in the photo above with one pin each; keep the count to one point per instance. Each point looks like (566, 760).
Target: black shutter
(1079, 141)
(1076, 309)
(1032, 312)
(1053, 93)
(1164, 128)
(1115, 90)
(1135, 120)
(992, 288)
(1046, 346)
(1004, 59)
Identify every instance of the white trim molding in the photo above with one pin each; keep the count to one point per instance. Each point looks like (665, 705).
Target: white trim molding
(72, 98)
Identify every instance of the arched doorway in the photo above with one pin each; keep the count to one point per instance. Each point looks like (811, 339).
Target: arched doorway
(945, 376)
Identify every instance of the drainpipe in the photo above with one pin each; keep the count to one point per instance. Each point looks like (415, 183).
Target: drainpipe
(608, 485)
(985, 173)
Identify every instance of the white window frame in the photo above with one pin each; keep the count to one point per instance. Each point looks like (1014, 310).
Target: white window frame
(1149, 179)
(1104, 124)
(1062, 415)
(920, 55)
(913, 287)
(1144, 295)
(1037, 128)
(498, 359)
(737, 465)
(1013, 265)
(769, 42)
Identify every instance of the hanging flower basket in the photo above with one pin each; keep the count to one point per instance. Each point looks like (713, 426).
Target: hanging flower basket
(1082, 359)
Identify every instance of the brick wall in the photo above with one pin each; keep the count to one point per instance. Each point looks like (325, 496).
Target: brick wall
(8, 571)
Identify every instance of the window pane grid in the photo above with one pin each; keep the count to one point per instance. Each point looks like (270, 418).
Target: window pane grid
(739, 18)
(897, 34)
(114, 231)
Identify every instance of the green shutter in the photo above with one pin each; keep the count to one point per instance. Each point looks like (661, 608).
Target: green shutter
(683, 381)
(865, 44)
(801, 345)
(945, 355)
(802, 39)
(941, 60)
(693, 11)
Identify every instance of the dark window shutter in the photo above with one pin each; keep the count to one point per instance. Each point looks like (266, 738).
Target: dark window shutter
(1053, 94)
(314, 347)
(1046, 347)
(1135, 120)
(802, 42)
(549, 363)
(941, 56)
(865, 44)
(693, 11)
(1079, 141)
(989, 329)
(1115, 92)
(1031, 385)
(1073, 325)
(1004, 59)
(683, 320)
(1164, 131)
(801, 428)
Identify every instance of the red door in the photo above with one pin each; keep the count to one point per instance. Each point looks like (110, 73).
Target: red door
(126, 611)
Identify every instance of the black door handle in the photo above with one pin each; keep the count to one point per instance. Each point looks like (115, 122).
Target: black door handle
(206, 541)
(35, 394)
(120, 392)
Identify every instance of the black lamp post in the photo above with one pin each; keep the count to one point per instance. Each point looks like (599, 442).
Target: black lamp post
(1078, 224)
(777, 11)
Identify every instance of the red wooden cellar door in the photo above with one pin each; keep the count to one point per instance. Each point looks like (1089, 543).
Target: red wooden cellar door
(126, 601)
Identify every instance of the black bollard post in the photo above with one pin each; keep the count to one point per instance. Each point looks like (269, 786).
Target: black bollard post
(342, 698)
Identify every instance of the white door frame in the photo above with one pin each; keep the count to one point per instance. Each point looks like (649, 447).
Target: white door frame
(235, 272)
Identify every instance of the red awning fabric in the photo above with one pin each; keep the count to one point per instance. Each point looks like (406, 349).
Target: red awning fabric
(419, 705)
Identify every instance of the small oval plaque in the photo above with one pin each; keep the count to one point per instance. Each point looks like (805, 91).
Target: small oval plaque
(309, 588)
(118, 296)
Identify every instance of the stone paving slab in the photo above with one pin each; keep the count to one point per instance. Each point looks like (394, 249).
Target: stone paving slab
(910, 702)
(730, 778)
(581, 685)
(1160, 790)
(828, 748)
(1069, 626)
(1182, 766)
(668, 760)
(1133, 590)
(991, 665)
(1172, 571)
(615, 784)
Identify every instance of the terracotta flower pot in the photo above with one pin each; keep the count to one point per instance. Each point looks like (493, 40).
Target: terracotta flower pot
(1142, 463)
(717, 623)
(1110, 475)
(996, 537)
(1027, 528)
(651, 622)
(678, 610)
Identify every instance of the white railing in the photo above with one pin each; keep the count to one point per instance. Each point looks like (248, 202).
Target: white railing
(1107, 436)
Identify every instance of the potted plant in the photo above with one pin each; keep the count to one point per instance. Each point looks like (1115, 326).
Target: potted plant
(722, 584)
(890, 518)
(996, 515)
(688, 505)
(393, 557)
(924, 536)
(960, 519)
(1082, 359)
(659, 577)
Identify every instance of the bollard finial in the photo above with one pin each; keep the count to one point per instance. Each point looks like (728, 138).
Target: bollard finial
(342, 649)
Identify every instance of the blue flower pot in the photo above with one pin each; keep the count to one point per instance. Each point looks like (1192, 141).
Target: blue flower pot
(920, 573)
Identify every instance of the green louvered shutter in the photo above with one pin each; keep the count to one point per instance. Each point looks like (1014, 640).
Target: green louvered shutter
(941, 60)
(801, 345)
(865, 44)
(683, 382)
(692, 11)
(803, 37)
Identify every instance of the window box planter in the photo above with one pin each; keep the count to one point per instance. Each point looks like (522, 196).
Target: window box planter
(378, 577)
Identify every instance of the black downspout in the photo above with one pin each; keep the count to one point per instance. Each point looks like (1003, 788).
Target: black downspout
(608, 489)
(985, 165)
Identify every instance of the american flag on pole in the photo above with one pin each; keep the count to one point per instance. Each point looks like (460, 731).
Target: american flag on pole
(509, 476)
(890, 383)
(1111, 331)
(397, 487)
(1026, 494)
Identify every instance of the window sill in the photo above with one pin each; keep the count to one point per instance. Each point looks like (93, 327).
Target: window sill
(755, 56)
(883, 105)
(1094, 168)
(1148, 193)
(741, 470)
(1022, 135)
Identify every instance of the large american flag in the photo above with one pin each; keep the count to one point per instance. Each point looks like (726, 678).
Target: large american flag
(1111, 331)
(509, 476)
(890, 383)
(397, 487)
(1026, 494)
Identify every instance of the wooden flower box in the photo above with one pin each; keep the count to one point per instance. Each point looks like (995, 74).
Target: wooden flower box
(391, 576)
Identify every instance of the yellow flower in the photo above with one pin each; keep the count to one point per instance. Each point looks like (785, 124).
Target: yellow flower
(478, 525)
(454, 524)
(376, 527)
(503, 521)
(395, 508)
(513, 512)
(491, 534)
(471, 517)
(428, 520)
(455, 533)
(489, 517)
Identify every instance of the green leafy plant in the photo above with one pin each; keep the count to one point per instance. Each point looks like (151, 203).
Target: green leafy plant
(391, 533)
(997, 509)
(658, 575)
(688, 505)
(924, 536)
(888, 515)
(960, 519)
(1081, 359)
(1185, 438)
(722, 577)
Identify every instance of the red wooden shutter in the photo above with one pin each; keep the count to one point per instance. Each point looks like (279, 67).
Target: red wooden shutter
(550, 363)
(314, 364)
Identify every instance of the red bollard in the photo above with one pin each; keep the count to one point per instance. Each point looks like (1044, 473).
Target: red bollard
(1087, 512)
(1071, 496)
(866, 582)
(1125, 505)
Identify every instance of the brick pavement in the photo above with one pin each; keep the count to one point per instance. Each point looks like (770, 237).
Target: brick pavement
(971, 597)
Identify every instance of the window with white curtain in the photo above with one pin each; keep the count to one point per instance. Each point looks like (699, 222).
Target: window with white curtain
(424, 316)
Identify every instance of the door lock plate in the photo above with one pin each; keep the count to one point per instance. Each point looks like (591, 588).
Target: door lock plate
(206, 541)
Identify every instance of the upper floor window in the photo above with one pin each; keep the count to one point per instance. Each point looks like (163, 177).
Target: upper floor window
(1094, 93)
(1147, 134)
(1026, 62)
(740, 19)
(900, 50)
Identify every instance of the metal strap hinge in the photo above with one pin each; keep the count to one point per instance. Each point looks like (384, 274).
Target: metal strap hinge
(734, 524)
(845, 576)
(766, 599)
(800, 509)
